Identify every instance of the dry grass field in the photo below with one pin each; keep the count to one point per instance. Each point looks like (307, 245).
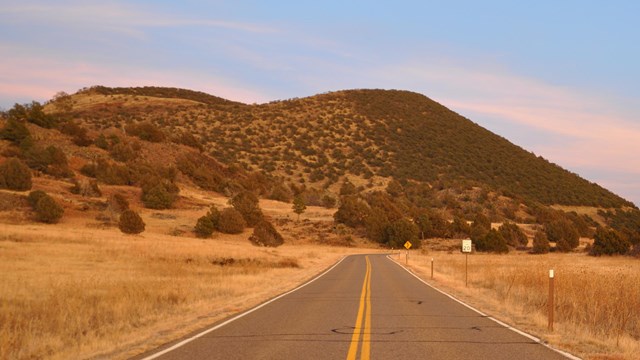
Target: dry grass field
(597, 299)
(97, 293)
(80, 289)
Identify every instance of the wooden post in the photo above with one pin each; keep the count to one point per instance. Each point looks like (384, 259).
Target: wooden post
(431, 268)
(466, 266)
(551, 298)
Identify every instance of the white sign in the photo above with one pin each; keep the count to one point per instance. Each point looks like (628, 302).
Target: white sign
(466, 246)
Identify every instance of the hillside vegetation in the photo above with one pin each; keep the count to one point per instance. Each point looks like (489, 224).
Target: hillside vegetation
(398, 165)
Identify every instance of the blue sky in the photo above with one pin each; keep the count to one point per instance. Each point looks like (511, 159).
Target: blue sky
(559, 78)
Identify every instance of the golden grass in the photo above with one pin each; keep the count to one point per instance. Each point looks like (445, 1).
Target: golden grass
(97, 293)
(597, 299)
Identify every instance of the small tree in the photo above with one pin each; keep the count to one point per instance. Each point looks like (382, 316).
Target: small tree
(540, 243)
(231, 221)
(298, 205)
(265, 234)
(131, 222)
(15, 175)
(48, 210)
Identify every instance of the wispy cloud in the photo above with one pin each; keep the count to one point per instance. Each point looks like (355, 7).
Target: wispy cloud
(32, 78)
(118, 17)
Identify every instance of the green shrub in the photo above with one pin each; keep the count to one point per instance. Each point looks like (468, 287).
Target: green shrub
(204, 227)
(540, 243)
(563, 233)
(131, 222)
(247, 204)
(78, 134)
(146, 131)
(34, 196)
(207, 223)
(513, 235)
(86, 188)
(399, 232)
(352, 212)
(328, 201)
(609, 242)
(492, 241)
(51, 160)
(265, 234)
(15, 175)
(48, 210)
(15, 131)
(160, 195)
(231, 221)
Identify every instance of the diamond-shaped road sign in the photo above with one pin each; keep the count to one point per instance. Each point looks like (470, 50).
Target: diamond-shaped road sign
(407, 245)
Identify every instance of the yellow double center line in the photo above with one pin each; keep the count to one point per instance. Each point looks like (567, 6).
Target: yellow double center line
(364, 316)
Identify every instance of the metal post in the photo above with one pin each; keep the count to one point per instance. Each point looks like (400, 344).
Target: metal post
(551, 298)
(406, 257)
(431, 268)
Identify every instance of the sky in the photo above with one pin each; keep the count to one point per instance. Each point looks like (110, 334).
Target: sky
(558, 78)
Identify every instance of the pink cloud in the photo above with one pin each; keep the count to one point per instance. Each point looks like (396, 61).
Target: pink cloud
(39, 79)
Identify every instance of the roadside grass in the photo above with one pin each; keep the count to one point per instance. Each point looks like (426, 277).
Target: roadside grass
(597, 300)
(107, 295)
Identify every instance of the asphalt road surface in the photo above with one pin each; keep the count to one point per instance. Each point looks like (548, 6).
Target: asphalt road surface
(366, 307)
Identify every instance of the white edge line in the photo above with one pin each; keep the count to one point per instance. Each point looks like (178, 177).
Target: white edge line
(539, 341)
(186, 341)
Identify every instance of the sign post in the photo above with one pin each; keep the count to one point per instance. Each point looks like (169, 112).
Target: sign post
(431, 268)
(466, 249)
(551, 296)
(407, 246)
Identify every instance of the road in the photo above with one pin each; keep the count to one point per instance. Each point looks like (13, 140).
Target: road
(366, 307)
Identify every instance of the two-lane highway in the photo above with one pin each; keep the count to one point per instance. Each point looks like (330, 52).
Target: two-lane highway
(366, 307)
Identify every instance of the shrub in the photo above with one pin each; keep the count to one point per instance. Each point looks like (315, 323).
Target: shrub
(47, 209)
(159, 196)
(86, 188)
(540, 243)
(609, 242)
(146, 131)
(231, 221)
(15, 131)
(399, 232)
(513, 235)
(77, 132)
(265, 234)
(131, 222)
(204, 227)
(247, 204)
(15, 175)
(208, 223)
(34, 196)
(281, 192)
(328, 201)
(352, 211)
(492, 241)
(51, 160)
(563, 233)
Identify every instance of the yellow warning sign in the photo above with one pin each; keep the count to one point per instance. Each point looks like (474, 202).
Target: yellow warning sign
(407, 245)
